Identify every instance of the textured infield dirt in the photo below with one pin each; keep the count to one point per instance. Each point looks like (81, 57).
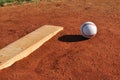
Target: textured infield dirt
(66, 56)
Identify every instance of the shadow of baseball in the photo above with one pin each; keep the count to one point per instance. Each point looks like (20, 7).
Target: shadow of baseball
(72, 38)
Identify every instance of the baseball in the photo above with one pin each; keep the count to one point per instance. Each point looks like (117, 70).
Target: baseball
(88, 29)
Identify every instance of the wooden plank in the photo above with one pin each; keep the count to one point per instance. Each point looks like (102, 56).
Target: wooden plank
(26, 45)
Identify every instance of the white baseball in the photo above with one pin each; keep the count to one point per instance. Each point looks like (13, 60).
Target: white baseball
(88, 29)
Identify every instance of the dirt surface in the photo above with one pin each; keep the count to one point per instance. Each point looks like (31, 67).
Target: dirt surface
(67, 56)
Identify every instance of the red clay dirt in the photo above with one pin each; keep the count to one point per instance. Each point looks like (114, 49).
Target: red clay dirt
(67, 56)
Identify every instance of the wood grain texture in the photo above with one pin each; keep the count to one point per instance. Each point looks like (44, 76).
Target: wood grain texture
(26, 45)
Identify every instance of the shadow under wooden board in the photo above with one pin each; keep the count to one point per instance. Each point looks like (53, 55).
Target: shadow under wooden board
(26, 45)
